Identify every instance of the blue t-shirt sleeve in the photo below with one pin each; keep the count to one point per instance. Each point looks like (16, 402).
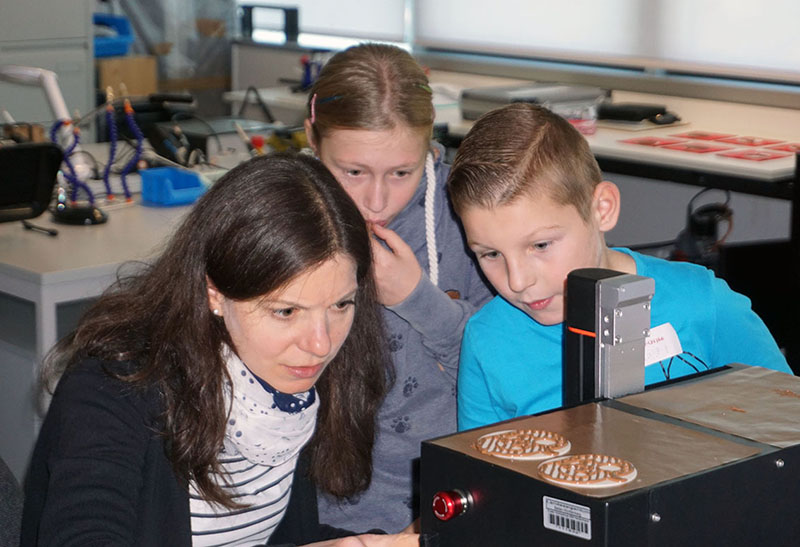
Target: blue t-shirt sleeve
(475, 406)
(740, 335)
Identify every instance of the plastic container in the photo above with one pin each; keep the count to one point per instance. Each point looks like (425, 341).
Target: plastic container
(170, 186)
(581, 114)
(109, 46)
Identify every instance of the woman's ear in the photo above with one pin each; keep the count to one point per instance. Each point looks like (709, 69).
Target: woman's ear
(606, 205)
(215, 298)
(310, 136)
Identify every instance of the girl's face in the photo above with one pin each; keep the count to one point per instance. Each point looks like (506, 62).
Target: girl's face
(380, 169)
(289, 337)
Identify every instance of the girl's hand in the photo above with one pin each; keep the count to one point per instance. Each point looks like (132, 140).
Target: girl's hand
(372, 540)
(397, 271)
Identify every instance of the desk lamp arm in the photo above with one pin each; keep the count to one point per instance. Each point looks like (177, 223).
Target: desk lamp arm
(48, 81)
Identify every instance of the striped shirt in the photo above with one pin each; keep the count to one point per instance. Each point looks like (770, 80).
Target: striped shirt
(264, 489)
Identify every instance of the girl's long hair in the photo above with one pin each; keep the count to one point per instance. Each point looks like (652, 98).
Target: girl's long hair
(256, 229)
(370, 86)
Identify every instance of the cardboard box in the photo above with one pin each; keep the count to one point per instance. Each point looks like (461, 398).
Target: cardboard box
(214, 28)
(133, 75)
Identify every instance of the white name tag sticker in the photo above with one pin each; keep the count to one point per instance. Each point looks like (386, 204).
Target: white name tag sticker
(662, 343)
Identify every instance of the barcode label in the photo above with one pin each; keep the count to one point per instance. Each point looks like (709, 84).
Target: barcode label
(568, 518)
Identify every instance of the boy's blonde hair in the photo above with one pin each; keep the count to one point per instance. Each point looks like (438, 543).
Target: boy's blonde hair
(370, 86)
(523, 150)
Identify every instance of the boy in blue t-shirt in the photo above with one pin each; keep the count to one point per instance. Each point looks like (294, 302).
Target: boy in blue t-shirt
(535, 207)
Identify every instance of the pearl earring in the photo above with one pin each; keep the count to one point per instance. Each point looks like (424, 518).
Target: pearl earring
(215, 311)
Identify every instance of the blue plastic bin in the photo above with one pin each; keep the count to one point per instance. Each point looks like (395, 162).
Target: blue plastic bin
(109, 46)
(170, 186)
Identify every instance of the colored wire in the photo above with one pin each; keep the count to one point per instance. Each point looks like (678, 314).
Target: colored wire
(54, 130)
(70, 174)
(129, 118)
(112, 136)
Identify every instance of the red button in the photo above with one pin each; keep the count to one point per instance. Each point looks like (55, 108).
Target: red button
(448, 505)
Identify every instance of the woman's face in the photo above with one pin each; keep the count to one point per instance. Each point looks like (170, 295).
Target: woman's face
(289, 337)
(380, 169)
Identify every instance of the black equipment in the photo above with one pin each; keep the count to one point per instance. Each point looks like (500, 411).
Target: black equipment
(717, 454)
(27, 177)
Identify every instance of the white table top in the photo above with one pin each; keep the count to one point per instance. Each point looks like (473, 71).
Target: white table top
(707, 116)
(132, 232)
(696, 114)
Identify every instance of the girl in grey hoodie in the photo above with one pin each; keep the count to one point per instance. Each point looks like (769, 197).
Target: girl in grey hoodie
(370, 121)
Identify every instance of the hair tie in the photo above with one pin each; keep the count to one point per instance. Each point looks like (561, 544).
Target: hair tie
(313, 109)
(426, 87)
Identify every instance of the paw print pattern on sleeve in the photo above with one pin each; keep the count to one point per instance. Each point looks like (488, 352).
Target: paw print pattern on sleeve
(395, 342)
(401, 424)
(410, 386)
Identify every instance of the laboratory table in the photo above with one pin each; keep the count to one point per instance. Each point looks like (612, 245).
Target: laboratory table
(41, 278)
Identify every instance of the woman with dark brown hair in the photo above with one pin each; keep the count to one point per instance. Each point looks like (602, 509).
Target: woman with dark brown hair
(187, 392)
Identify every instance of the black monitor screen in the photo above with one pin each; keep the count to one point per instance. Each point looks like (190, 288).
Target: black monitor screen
(27, 176)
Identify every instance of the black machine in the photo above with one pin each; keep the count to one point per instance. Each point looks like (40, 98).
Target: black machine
(608, 319)
(717, 455)
(27, 177)
(175, 139)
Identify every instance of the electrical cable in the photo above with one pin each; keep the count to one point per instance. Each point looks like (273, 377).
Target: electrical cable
(112, 136)
(259, 100)
(123, 156)
(87, 118)
(41, 229)
(131, 121)
(70, 174)
(190, 116)
(721, 241)
(95, 163)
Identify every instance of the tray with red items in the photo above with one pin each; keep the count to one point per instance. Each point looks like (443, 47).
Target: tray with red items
(786, 147)
(697, 147)
(755, 154)
(653, 141)
(750, 141)
(703, 135)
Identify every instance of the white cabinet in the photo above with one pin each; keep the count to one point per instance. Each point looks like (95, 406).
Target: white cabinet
(53, 34)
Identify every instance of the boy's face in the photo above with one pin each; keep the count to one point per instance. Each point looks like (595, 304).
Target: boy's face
(527, 248)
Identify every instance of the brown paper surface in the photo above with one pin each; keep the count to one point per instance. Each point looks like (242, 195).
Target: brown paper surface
(751, 402)
(660, 451)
